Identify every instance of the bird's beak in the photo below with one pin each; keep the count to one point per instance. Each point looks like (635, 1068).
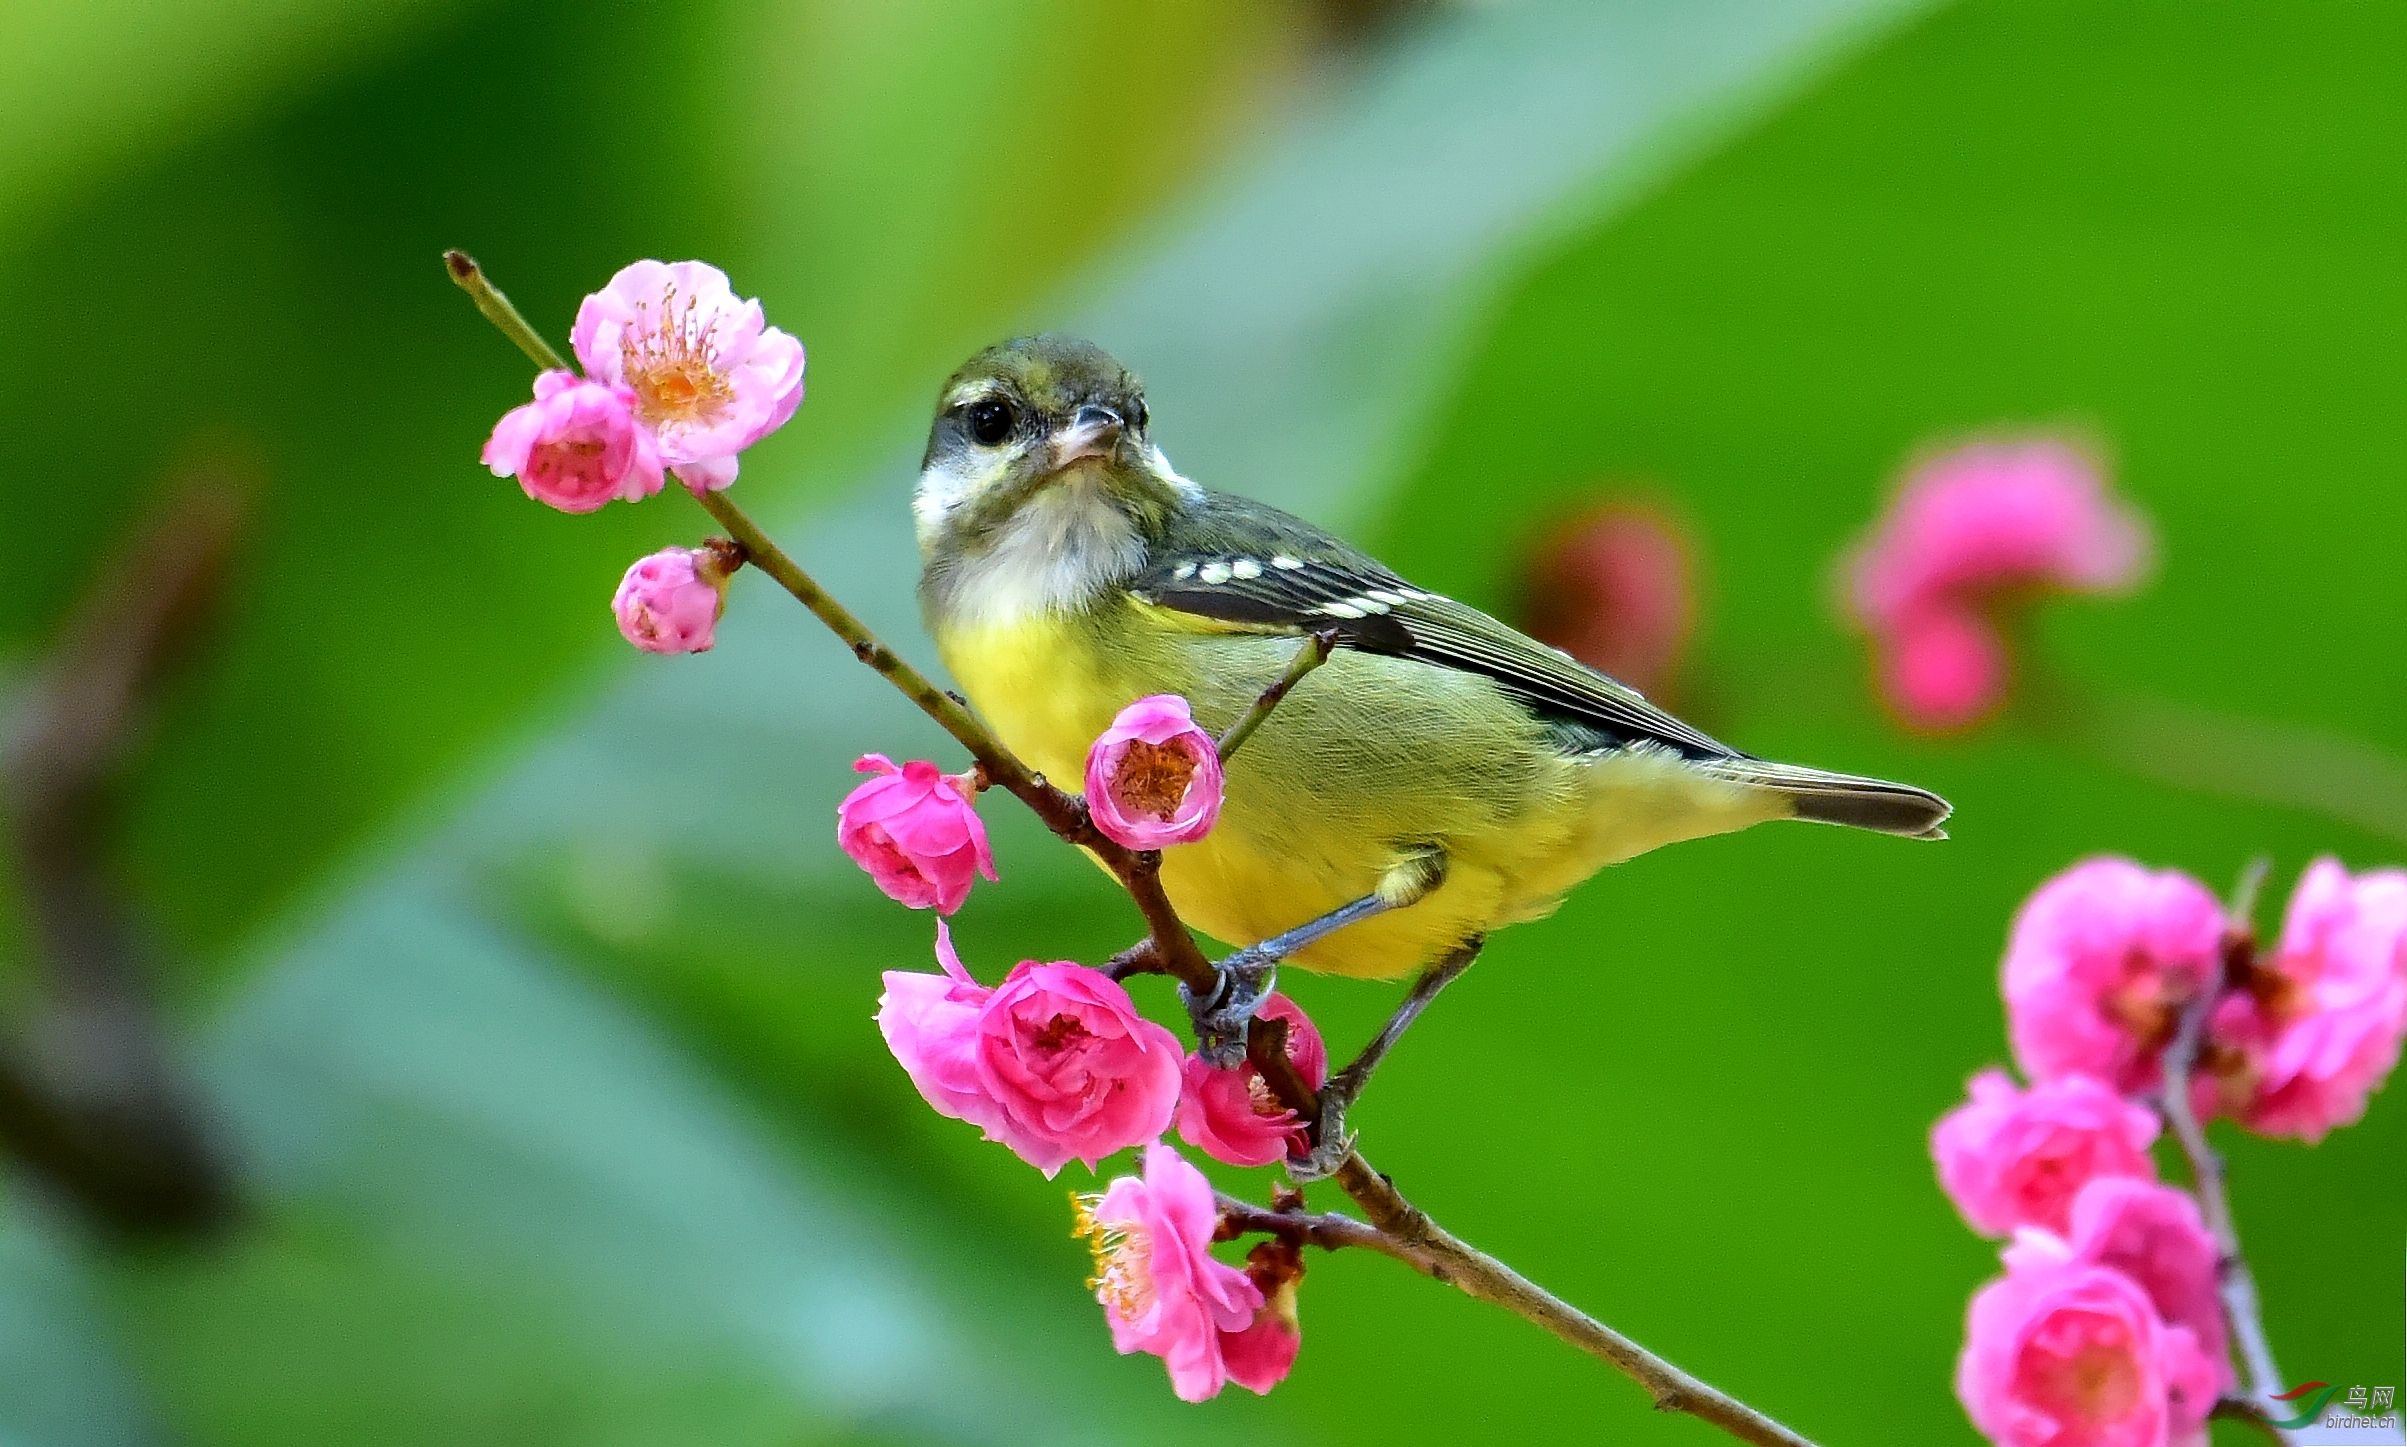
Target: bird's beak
(1094, 432)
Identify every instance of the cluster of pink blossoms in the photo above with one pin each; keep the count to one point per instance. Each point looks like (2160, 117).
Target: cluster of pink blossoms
(2106, 1328)
(1971, 534)
(680, 376)
(1057, 1065)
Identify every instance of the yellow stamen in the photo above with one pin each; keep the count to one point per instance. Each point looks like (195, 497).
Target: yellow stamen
(671, 359)
(1120, 1281)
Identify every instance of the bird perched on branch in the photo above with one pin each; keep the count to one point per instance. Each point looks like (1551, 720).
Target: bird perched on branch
(1439, 776)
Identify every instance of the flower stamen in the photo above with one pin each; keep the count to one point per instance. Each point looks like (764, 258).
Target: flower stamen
(1153, 778)
(671, 359)
(1120, 1249)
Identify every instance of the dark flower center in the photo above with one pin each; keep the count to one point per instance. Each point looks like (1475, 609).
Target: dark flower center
(1153, 778)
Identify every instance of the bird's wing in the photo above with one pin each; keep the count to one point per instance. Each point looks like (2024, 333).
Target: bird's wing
(1253, 567)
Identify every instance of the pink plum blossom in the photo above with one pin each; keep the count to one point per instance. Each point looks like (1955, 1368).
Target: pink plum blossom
(917, 832)
(1996, 515)
(931, 1024)
(1614, 588)
(577, 446)
(2154, 1234)
(2101, 960)
(1055, 1063)
(1153, 778)
(1231, 1115)
(1972, 532)
(2065, 1353)
(708, 376)
(670, 602)
(2012, 1158)
(2318, 1026)
(1259, 1357)
(1161, 1288)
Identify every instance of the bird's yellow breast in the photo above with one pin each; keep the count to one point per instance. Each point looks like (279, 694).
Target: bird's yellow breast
(1369, 760)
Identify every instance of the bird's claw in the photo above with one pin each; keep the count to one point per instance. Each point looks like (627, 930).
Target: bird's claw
(1221, 1018)
(1331, 1141)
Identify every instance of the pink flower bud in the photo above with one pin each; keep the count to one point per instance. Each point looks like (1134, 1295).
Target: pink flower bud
(2101, 960)
(1055, 1063)
(1231, 1115)
(1153, 777)
(708, 377)
(1259, 1357)
(916, 831)
(2012, 1158)
(2318, 1025)
(2060, 1352)
(576, 446)
(1614, 589)
(1161, 1288)
(1971, 533)
(671, 601)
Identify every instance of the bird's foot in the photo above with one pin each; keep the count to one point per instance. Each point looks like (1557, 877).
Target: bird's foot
(1221, 1018)
(1331, 1141)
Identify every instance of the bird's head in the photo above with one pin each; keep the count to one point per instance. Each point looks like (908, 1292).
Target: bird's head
(1047, 429)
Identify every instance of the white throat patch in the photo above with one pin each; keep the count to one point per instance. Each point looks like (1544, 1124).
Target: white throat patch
(1054, 554)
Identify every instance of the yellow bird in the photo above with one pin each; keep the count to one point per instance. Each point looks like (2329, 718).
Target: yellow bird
(1440, 776)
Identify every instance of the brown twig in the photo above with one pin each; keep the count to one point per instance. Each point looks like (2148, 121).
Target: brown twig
(1401, 1229)
(1310, 654)
(2248, 1414)
(1426, 1247)
(100, 1111)
(2241, 1308)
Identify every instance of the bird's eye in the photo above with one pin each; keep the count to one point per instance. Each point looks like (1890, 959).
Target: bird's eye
(1136, 414)
(989, 421)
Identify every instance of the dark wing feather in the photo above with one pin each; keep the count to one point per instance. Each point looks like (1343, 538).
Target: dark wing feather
(1253, 566)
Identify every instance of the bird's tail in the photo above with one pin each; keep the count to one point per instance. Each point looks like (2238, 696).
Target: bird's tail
(1849, 799)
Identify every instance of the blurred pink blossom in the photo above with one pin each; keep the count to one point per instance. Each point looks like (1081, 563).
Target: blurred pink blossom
(1055, 1063)
(576, 446)
(2065, 1353)
(2154, 1234)
(708, 375)
(1153, 778)
(2100, 962)
(670, 602)
(1162, 1289)
(1615, 589)
(1944, 668)
(2012, 1158)
(2318, 1026)
(916, 830)
(1230, 1115)
(1970, 532)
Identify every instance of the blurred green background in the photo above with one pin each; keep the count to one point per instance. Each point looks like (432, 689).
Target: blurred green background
(520, 974)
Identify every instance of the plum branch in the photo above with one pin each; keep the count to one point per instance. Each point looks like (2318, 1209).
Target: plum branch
(1392, 1226)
